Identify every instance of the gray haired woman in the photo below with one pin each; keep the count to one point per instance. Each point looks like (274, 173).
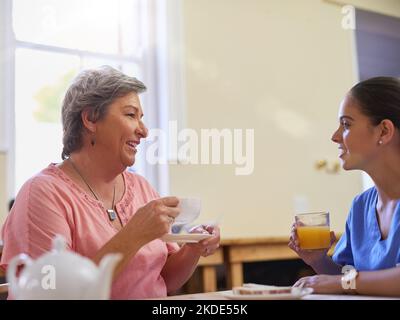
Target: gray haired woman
(95, 203)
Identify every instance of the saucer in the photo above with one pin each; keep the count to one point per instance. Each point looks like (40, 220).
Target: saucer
(185, 237)
(264, 292)
(275, 296)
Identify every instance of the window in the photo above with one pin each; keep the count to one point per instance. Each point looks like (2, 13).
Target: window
(54, 39)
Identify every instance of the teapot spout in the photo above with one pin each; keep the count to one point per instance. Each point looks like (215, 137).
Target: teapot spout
(105, 276)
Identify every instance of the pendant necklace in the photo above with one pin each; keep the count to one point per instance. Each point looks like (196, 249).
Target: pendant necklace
(112, 215)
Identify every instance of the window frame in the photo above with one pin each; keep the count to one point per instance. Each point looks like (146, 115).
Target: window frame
(9, 94)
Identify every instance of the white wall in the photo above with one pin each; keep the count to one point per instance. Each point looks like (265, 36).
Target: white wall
(245, 60)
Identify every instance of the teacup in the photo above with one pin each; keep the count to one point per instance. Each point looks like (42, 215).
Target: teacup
(189, 210)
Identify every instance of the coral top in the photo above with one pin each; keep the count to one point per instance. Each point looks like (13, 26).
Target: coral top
(51, 203)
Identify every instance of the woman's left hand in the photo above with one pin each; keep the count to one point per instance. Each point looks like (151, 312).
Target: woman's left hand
(207, 246)
(322, 283)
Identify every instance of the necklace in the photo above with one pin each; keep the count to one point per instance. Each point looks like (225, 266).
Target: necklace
(111, 213)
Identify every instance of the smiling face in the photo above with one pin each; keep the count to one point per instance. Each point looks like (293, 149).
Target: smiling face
(356, 136)
(119, 132)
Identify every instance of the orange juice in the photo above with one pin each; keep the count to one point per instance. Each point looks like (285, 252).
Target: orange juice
(314, 237)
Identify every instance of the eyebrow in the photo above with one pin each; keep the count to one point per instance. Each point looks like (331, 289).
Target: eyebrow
(346, 117)
(129, 106)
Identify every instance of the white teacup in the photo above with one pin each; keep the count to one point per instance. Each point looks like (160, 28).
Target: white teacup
(189, 210)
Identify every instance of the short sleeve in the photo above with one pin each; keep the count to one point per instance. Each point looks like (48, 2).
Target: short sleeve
(38, 215)
(343, 254)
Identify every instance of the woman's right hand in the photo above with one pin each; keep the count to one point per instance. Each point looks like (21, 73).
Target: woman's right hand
(310, 257)
(154, 219)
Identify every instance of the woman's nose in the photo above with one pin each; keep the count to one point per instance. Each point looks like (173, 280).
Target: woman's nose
(142, 130)
(336, 136)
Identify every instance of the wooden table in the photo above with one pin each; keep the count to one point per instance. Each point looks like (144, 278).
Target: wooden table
(219, 295)
(208, 273)
(239, 251)
(234, 252)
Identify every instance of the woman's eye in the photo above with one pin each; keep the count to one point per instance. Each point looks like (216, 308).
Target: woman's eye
(132, 115)
(345, 125)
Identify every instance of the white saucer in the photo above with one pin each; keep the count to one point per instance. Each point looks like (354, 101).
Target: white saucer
(185, 237)
(294, 295)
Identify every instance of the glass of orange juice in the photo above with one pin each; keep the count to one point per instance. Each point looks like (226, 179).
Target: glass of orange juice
(313, 230)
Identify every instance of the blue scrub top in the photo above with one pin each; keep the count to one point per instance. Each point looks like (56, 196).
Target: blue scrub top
(361, 245)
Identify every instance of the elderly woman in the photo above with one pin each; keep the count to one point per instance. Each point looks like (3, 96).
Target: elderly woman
(369, 139)
(95, 203)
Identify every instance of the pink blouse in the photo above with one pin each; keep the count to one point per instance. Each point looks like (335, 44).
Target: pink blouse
(51, 203)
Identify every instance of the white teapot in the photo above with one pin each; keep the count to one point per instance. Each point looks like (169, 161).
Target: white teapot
(61, 274)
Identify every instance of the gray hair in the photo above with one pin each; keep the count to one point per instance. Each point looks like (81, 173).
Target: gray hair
(93, 90)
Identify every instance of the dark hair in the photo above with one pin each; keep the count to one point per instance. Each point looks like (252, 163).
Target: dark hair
(379, 99)
(95, 90)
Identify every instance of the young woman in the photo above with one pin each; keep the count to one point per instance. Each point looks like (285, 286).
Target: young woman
(368, 139)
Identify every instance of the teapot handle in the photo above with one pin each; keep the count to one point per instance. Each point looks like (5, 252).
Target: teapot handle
(12, 270)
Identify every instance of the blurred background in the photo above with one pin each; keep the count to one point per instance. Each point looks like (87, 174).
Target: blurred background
(278, 67)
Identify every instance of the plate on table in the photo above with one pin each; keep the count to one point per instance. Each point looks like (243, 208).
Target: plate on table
(263, 292)
(185, 237)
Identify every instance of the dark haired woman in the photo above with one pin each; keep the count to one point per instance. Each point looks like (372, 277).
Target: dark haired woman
(368, 138)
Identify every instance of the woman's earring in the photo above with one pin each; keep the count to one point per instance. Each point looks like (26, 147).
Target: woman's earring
(92, 141)
(380, 142)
